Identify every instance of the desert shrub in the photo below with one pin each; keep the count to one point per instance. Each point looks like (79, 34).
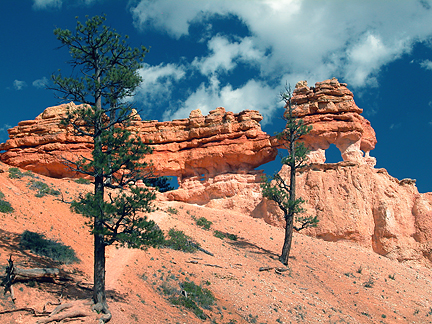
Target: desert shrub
(172, 210)
(38, 244)
(178, 240)
(42, 189)
(202, 296)
(167, 289)
(196, 297)
(231, 237)
(219, 234)
(15, 173)
(204, 223)
(369, 283)
(29, 174)
(82, 181)
(223, 235)
(188, 303)
(5, 207)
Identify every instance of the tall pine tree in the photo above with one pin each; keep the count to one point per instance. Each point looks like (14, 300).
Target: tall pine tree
(280, 190)
(106, 74)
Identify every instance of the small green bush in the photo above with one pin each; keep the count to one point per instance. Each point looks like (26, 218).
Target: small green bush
(223, 235)
(197, 297)
(5, 207)
(188, 303)
(2, 195)
(42, 189)
(29, 174)
(37, 243)
(219, 234)
(231, 237)
(15, 173)
(172, 210)
(202, 296)
(204, 223)
(82, 181)
(180, 241)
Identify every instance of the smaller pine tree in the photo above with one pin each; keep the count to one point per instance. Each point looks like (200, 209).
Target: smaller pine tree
(280, 190)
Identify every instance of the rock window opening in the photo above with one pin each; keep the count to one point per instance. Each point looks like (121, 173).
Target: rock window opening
(333, 154)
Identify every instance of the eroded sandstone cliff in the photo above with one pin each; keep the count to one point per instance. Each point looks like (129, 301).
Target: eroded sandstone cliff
(330, 109)
(215, 156)
(199, 146)
(357, 203)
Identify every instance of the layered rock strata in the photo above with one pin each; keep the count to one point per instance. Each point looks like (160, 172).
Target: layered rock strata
(202, 146)
(330, 108)
(357, 203)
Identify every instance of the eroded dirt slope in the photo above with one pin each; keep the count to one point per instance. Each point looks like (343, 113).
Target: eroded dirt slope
(327, 282)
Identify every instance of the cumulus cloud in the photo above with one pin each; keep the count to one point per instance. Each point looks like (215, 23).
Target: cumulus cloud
(40, 83)
(426, 64)
(19, 85)
(4, 136)
(225, 55)
(158, 82)
(253, 95)
(47, 4)
(288, 39)
(57, 4)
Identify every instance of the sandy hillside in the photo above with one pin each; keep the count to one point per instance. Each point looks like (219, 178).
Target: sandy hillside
(327, 282)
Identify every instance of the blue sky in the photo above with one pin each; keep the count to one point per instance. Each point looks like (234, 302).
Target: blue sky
(239, 54)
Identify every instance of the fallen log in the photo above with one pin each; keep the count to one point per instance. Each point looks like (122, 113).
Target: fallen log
(265, 268)
(36, 273)
(14, 274)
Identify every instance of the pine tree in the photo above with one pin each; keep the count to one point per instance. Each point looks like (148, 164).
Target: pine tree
(107, 75)
(279, 189)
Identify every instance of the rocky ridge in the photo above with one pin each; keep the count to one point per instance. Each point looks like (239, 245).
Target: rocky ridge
(199, 146)
(214, 158)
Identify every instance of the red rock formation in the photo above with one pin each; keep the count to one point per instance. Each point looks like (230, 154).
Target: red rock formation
(330, 108)
(205, 146)
(357, 203)
(218, 143)
(40, 144)
(238, 192)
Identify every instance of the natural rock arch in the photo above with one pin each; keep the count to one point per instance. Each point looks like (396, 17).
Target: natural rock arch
(330, 108)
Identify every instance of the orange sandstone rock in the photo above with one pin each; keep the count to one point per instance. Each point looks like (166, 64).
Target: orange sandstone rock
(357, 203)
(330, 108)
(198, 146)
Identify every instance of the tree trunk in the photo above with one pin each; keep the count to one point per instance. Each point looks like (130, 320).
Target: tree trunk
(288, 239)
(99, 296)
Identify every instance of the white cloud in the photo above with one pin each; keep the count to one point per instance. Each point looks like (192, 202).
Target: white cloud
(289, 39)
(19, 85)
(426, 64)
(40, 83)
(158, 82)
(4, 136)
(224, 55)
(253, 95)
(368, 55)
(45, 4)
(57, 4)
